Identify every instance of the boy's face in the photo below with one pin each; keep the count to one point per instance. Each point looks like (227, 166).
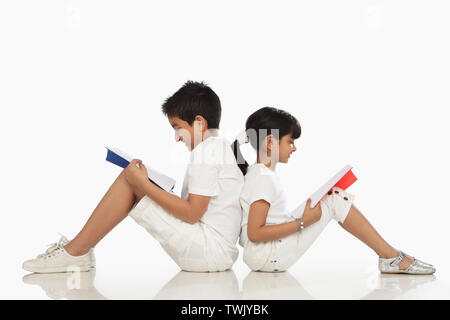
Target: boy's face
(285, 148)
(190, 135)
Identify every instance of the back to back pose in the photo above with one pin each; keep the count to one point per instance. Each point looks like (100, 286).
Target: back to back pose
(199, 230)
(274, 238)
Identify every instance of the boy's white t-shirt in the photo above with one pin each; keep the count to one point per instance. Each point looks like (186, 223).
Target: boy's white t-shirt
(213, 171)
(262, 183)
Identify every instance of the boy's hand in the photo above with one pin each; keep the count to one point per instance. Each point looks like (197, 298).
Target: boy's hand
(136, 175)
(311, 215)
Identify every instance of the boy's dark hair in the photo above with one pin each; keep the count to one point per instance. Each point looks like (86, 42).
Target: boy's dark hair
(194, 98)
(263, 121)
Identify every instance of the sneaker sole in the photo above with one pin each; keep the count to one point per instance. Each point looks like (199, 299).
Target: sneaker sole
(60, 269)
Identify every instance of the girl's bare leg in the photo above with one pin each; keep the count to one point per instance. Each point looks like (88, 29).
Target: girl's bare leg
(113, 208)
(356, 224)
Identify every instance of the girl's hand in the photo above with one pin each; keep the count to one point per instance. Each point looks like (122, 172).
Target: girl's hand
(136, 175)
(311, 215)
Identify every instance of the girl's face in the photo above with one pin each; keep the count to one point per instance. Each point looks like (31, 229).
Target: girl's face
(285, 148)
(274, 151)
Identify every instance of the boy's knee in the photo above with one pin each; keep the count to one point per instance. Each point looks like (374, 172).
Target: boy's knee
(138, 194)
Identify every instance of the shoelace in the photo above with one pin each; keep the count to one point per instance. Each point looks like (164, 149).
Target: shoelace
(54, 247)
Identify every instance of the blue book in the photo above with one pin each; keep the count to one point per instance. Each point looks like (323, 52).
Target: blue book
(122, 160)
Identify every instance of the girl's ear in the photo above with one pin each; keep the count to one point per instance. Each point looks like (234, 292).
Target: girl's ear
(269, 142)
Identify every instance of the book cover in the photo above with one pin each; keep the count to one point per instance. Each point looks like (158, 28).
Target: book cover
(343, 179)
(122, 160)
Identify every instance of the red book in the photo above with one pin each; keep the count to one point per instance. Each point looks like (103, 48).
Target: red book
(343, 179)
(346, 181)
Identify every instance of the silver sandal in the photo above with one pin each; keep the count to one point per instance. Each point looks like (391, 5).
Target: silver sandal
(390, 265)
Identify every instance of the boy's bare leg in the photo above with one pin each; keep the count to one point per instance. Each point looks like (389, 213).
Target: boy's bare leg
(360, 227)
(113, 208)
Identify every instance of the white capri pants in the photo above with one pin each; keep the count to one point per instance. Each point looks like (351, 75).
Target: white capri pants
(279, 255)
(194, 247)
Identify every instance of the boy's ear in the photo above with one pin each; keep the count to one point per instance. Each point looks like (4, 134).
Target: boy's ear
(201, 122)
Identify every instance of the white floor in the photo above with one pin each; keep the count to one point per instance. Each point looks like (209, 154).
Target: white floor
(225, 285)
(145, 272)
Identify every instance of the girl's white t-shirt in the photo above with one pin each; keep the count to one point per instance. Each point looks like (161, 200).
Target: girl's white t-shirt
(213, 171)
(262, 183)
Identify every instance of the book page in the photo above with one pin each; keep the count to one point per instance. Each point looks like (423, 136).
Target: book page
(165, 182)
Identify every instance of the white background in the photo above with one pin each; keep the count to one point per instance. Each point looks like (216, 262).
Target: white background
(368, 81)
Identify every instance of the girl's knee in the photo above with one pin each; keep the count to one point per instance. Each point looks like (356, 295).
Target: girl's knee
(342, 204)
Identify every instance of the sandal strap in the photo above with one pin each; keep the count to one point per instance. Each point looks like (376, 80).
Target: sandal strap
(399, 259)
(412, 265)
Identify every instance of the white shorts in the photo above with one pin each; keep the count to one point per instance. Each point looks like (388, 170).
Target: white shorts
(279, 255)
(194, 247)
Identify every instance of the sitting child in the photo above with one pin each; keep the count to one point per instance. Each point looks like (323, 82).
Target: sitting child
(198, 230)
(272, 239)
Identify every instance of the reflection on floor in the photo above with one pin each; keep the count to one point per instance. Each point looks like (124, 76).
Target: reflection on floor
(221, 285)
(67, 285)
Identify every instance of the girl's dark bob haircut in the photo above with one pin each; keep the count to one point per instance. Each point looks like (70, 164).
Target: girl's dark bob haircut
(269, 119)
(264, 122)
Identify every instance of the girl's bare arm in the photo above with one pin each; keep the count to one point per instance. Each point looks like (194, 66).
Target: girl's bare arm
(258, 231)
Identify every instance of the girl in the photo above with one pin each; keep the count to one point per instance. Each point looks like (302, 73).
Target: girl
(273, 239)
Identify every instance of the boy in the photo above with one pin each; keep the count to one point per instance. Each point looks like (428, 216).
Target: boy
(199, 230)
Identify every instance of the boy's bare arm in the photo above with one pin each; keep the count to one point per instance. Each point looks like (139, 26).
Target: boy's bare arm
(190, 210)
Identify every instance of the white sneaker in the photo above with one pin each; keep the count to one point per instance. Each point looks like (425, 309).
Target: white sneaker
(56, 259)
